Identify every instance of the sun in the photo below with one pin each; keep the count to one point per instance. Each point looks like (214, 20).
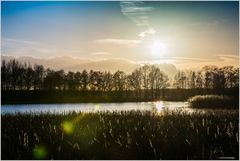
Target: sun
(158, 48)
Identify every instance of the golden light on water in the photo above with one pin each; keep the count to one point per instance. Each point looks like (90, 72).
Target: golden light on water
(39, 152)
(68, 127)
(159, 106)
(179, 107)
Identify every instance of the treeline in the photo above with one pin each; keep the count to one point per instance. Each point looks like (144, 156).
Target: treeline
(209, 77)
(22, 76)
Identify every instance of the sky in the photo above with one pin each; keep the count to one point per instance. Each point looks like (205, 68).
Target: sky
(185, 34)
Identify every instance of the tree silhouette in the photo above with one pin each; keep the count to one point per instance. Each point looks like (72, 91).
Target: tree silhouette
(146, 81)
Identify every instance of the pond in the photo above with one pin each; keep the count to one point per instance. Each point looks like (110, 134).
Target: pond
(93, 107)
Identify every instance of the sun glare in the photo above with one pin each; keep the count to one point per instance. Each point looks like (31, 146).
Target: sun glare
(159, 106)
(158, 49)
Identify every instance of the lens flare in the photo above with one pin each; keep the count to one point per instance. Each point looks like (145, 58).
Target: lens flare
(68, 127)
(97, 107)
(39, 152)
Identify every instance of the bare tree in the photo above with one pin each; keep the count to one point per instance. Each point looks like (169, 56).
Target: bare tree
(107, 81)
(180, 80)
(84, 80)
(38, 76)
(119, 82)
(199, 80)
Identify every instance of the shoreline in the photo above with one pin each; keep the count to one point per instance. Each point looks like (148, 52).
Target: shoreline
(61, 97)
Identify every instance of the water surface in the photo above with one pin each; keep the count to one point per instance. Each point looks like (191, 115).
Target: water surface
(92, 107)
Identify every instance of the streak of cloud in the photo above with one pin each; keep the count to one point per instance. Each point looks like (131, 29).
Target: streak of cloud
(136, 11)
(127, 42)
(208, 24)
(101, 54)
(16, 47)
(139, 14)
(218, 60)
(8, 40)
(149, 31)
(197, 63)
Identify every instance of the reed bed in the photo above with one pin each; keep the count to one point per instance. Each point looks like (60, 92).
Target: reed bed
(213, 101)
(121, 135)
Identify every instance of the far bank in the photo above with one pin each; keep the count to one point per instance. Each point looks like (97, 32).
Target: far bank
(55, 96)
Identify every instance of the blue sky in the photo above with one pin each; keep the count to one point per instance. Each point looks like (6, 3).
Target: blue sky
(138, 31)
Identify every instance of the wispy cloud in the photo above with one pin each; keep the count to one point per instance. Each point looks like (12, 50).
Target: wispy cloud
(228, 59)
(195, 24)
(149, 31)
(218, 60)
(210, 23)
(190, 59)
(101, 54)
(127, 42)
(213, 23)
(18, 47)
(197, 63)
(228, 56)
(9, 40)
(136, 11)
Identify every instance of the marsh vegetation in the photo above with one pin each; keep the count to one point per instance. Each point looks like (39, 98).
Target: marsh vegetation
(121, 135)
(213, 101)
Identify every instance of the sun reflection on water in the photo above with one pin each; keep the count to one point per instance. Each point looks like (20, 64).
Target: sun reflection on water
(163, 107)
(159, 106)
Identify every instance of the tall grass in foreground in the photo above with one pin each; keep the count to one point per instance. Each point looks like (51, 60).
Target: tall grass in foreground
(213, 101)
(123, 135)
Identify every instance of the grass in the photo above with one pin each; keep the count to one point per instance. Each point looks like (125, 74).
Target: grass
(122, 135)
(213, 101)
